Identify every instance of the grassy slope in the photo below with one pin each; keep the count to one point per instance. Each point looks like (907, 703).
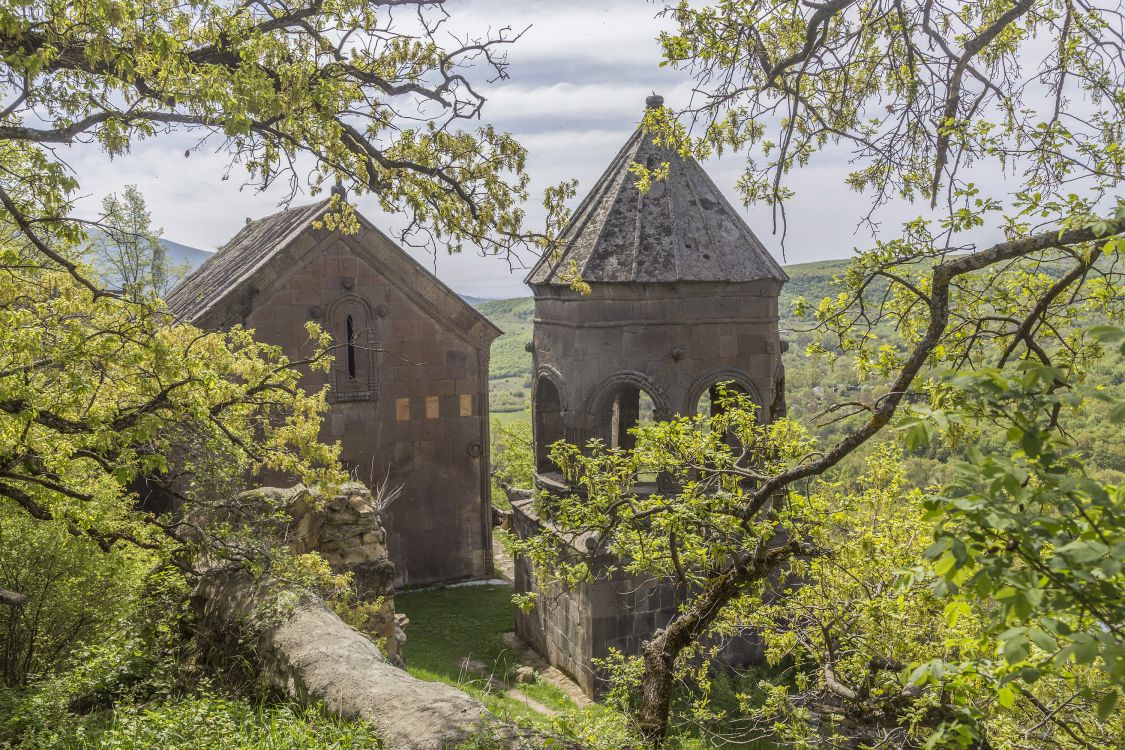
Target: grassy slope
(448, 625)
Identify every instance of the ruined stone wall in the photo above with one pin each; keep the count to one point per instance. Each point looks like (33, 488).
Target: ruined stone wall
(346, 531)
(558, 625)
(615, 612)
(313, 658)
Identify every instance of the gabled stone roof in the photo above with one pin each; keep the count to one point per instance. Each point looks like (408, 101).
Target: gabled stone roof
(261, 251)
(682, 229)
(239, 259)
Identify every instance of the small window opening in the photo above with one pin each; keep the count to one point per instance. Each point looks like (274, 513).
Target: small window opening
(629, 408)
(351, 348)
(549, 428)
(720, 398)
(624, 409)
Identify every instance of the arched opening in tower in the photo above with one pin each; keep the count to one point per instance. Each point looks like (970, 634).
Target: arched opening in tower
(623, 409)
(722, 397)
(548, 422)
(719, 397)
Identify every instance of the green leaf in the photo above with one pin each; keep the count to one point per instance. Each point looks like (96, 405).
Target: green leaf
(1106, 704)
(1042, 640)
(1085, 651)
(1082, 552)
(953, 612)
(1006, 697)
(920, 675)
(1107, 334)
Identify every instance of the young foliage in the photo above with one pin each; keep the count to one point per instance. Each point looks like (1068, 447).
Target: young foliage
(101, 398)
(918, 91)
(377, 94)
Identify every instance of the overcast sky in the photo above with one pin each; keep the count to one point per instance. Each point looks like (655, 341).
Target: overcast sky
(579, 78)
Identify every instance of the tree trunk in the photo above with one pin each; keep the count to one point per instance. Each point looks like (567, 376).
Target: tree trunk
(12, 599)
(656, 687)
(661, 651)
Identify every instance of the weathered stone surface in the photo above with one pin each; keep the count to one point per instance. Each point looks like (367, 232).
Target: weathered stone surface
(682, 297)
(573, 628)
(411, 411)
(337, 529)
(682, 229)
(311, 655)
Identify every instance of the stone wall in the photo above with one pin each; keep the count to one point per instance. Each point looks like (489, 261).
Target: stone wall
(313, 658)
(347, 532)
(675, 340)
(413, 410)
(572, 628)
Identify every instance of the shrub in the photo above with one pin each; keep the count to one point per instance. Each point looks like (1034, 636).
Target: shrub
(76, 592)
(207, 722)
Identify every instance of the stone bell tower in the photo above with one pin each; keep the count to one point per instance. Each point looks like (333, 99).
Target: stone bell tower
(682, 297)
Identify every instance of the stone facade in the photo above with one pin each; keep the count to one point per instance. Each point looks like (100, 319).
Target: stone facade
(681, 297)
(672, 342)
(409, 387)
(614, 611)
(573, 627)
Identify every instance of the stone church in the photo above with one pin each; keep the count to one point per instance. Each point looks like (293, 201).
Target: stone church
(683, 296)
(409, 387)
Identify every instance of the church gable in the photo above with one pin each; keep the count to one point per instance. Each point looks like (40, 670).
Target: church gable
(264, 256)
(409, 381)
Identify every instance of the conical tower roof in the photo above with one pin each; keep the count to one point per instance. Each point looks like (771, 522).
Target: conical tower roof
(682, 229)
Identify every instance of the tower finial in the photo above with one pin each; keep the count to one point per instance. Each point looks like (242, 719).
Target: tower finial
(654, 101)
(338, 189)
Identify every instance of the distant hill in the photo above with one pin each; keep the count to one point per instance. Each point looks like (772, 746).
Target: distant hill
(474, 301)
(182, 255)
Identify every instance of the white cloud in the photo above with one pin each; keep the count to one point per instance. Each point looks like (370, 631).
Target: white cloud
(578, 82)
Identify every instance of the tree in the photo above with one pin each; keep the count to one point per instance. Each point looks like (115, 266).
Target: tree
(369, 90)
(100, 388)
(98, 392)
(126, 251)
(885, 657)
(918, 90)
(74, 593)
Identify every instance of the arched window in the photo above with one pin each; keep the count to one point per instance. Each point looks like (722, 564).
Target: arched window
(548, 422)
(353, 375)
(350, 334)
(719, 397)
(716, 398)
(621, 410)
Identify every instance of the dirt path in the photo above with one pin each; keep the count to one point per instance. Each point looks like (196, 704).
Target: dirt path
(531, 703)
(503, 564)
(549, 674)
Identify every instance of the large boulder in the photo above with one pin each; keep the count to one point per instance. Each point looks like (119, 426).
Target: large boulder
(308, 653)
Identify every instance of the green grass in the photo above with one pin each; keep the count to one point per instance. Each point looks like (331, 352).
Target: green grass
(449, 624)
(206, 722)
(506, 417)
